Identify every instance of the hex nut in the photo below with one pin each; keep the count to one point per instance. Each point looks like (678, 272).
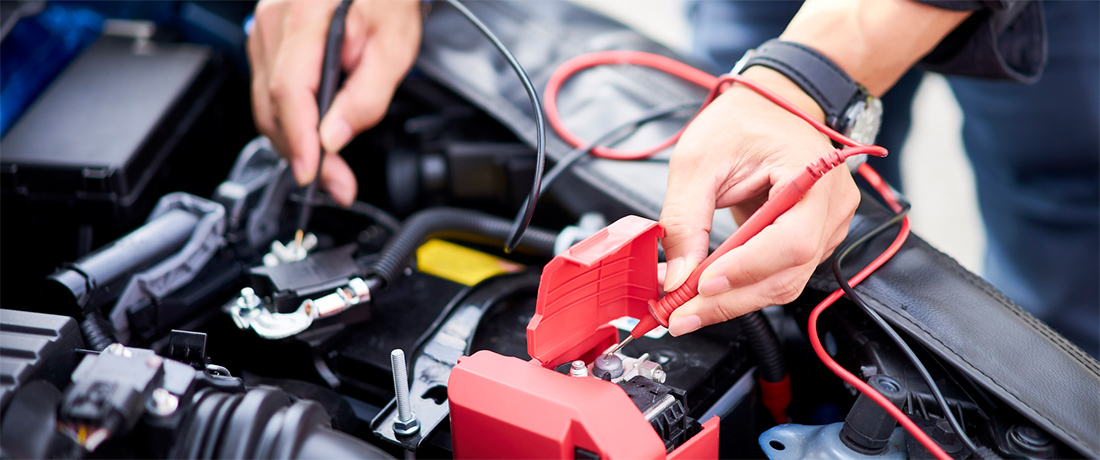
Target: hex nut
(406, 428)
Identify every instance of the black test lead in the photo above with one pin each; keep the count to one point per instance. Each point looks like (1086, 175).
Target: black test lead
(326, 91)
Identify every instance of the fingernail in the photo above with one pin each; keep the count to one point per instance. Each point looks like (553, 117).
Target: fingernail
(714, 286)
(342, 194)
(675, 275)
(298, 167)
(684, 324)
(335, 135)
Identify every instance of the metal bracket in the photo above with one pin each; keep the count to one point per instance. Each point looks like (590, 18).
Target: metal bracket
(432, 367)
(792, 441)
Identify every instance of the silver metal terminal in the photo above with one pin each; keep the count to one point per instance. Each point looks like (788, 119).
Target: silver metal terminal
(658, 408)
(248, 299)
(611, 366)
(248, 313)
(406, 423)
(118, 349)
(290, 252)
(630, 367)
(163, 402)
(578, 369)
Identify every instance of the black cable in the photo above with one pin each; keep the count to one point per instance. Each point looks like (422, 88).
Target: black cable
(516, 232)
(379, 216)
(330, 76)
(609, 138)
(897, 339)
(455, 223)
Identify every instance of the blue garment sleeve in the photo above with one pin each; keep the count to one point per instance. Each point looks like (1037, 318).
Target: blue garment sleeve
(1003, 39)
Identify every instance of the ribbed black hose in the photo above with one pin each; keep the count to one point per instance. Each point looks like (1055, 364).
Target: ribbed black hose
(457, 223)
(765, 345)
(98, 333)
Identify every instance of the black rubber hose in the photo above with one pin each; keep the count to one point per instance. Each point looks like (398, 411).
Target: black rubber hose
(98, 333)
(771, 365)
(455, 223)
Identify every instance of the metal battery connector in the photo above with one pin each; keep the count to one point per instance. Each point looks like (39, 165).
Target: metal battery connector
(618, 367)
(248, 311)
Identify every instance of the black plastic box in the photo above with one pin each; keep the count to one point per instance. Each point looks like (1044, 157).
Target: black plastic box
(125, 123)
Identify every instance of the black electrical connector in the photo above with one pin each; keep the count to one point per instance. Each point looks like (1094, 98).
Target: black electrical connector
(868, 427)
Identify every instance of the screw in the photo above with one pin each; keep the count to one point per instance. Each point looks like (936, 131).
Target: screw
(163, 402)
(578, 369)
(118, 349)
(406, 423)
(248, 299)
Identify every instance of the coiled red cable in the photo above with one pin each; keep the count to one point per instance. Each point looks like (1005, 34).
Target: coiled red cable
(784, 200)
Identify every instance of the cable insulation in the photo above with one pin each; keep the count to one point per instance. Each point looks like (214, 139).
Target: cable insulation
(517, 230)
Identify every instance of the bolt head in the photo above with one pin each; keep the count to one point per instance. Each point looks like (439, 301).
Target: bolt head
(578, 369)
(118, 349)
(406, 428)
(659, 376)
(248, 299)
(163, 402)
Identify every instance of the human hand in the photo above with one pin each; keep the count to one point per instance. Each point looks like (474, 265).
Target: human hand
(739, 150)
(286, 48)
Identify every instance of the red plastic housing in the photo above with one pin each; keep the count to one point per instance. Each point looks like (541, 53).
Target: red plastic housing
(608, 275)
(504, 407)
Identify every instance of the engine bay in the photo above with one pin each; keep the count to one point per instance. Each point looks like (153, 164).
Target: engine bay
(164, 306)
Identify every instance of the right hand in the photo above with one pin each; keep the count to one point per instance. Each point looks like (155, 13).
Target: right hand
(285, 49)
(737, 153)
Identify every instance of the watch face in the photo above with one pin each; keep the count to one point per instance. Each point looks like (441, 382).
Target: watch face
(863, 120)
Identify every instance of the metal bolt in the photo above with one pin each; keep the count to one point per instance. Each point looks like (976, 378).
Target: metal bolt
(659, 376)
(578, 369)
(163, 403)
(118, 349)
(406, 423)
(248, 299)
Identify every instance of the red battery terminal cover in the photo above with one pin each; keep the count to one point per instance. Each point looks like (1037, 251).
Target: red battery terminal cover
(608, 275)
(503, 407)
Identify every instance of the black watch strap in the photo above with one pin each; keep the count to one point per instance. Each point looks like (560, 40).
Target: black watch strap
(818, 76)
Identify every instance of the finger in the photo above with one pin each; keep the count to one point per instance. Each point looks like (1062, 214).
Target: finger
(362, 101)
(687, 216)
(338, 179)
(662, 269)
(257, 59)
(295, 76)
(796, 238)
(703, 311)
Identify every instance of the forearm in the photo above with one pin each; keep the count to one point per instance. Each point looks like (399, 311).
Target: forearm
(874, 41)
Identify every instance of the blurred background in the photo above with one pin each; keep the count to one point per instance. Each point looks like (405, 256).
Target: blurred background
(938, 177)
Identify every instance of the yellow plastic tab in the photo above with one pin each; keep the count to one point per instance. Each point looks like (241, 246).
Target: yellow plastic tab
(461, 264)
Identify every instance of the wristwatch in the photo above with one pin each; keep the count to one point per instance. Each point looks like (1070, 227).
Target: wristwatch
(848, 107)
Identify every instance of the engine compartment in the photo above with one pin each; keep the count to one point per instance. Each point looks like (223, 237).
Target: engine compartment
(205, 332)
